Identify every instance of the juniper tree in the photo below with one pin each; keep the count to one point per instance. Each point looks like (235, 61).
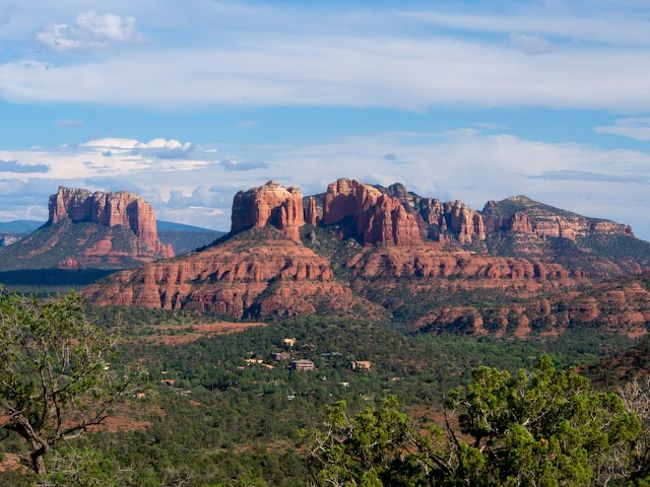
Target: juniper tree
(55, 377)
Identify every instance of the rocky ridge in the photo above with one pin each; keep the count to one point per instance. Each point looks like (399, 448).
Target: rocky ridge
(620, 306)
(258, 272)
(377, 219)
(272, 264)
(457, 221)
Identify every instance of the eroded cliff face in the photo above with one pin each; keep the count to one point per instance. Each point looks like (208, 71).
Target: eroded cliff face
(257, 273)
(109, 210)
(464, 222)
(311, 212)
(377, 219)
(430, 261)
(90, 230)
(457, 221)
(270, 204)
(523, 215)
(620, 306)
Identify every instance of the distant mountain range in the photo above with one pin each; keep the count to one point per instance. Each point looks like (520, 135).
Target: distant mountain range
(21, 227)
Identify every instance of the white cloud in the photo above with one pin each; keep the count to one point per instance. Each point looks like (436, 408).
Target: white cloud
(633, 128)
(593, 24)
(471, 165)
(107, 26)
(89, 31)
(342, 71)
(529, 43)
(111, 143)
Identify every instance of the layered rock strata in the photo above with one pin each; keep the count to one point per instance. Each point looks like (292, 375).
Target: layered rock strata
(109, 210)
(258, 274)
(270, 204)
(377, 219)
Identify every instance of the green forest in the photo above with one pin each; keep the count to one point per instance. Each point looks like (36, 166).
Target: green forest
(224, 410)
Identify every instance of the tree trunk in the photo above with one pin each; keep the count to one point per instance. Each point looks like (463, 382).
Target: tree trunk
(38, 458)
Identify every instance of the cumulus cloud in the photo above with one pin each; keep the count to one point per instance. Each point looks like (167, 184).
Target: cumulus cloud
(159, 148)
(90, 30)
(201, 196)
(164, 149)
(111, 143)
(633, 128)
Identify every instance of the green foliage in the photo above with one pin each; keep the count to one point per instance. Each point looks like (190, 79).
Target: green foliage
(545, 428)
(509, 206)
(324, 241)
(56, 378)
(367, 450)
(617, 247)
(68, 466)
(238, 424)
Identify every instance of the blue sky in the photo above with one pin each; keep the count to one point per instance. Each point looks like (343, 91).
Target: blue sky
(188, 102)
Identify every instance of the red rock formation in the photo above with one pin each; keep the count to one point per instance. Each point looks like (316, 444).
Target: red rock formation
(429, 261)
(620, 306)
(109, 210)
(464, 221)
(378, 218)
(520, 223)
(545, 221)
(311, 212)
(271, 204)
(264, 275)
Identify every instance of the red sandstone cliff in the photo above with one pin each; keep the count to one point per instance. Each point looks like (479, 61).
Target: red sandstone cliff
(109, 210)
(258, 274)
(311, 212)
(263, 269)
(519, 214)
(620, 306)
(90, 230)
(378, 219)
(270, 204)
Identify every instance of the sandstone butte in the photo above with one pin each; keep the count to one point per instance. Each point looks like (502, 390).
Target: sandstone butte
(123, 232)
(270, 204)
(263, 269)
(109, 210)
